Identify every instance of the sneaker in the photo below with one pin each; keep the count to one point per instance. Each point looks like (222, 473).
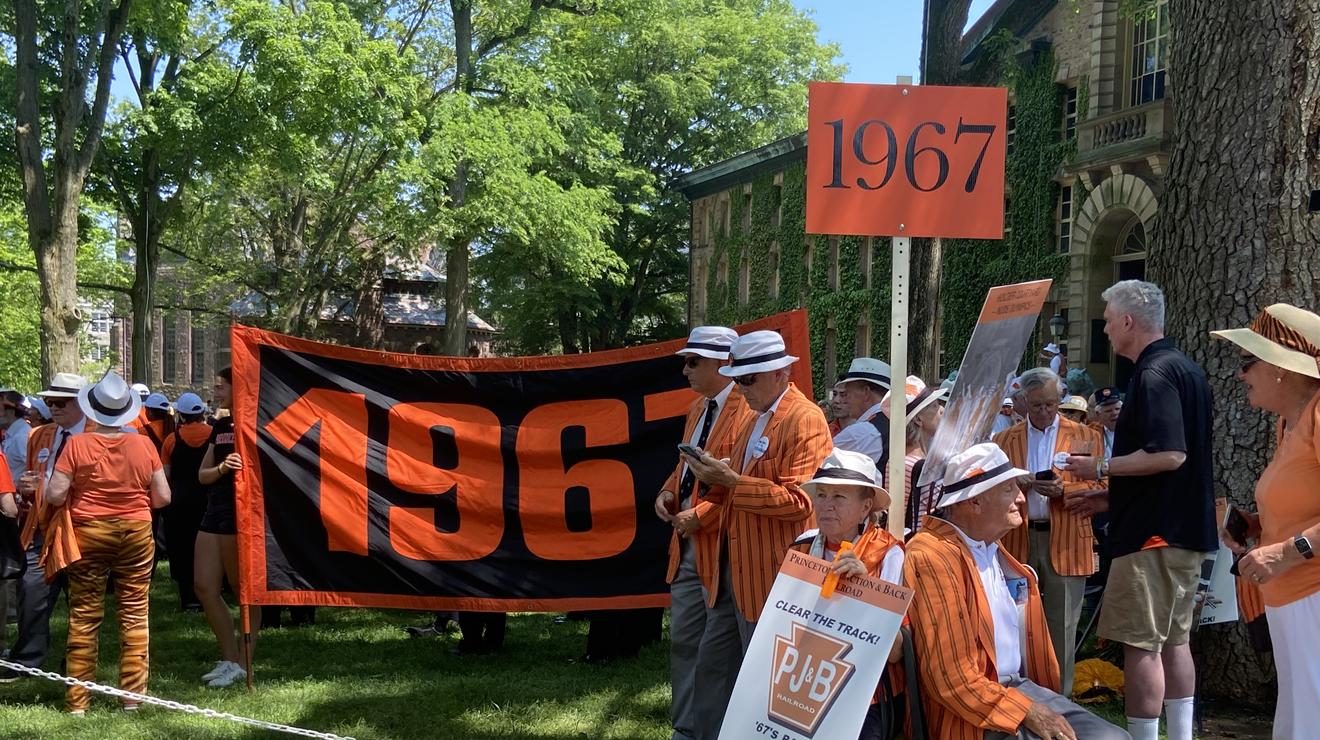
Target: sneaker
(217, 670)
(8, 675)
(233, 672)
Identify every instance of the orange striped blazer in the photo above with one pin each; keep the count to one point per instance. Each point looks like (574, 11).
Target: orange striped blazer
(767, 509)
(705, 501)
(1072, 543)
(954, 636)
(40, 438)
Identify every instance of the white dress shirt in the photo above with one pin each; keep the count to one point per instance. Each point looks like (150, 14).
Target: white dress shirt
(1003, 607)
(720, 399)
(758, 430)
(15, 447)
(862, 436)
(1040, 456)
(1109, 442)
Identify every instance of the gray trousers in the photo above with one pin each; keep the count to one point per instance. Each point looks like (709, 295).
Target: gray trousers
(36, 600)
(1062, 598)
(1085, 725)
(705, 652)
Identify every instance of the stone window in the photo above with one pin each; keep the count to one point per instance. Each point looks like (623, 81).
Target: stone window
(1070, 113)
(1065, 218)
(774, 271)
(744, 278)
(1150, 54)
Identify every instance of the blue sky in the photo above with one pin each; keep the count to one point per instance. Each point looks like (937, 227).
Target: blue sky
(878, 39)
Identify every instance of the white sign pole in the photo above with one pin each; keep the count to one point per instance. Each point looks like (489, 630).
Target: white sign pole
(898, 354)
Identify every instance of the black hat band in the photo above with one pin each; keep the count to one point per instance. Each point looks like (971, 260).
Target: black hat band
(859, 375)
(844, 474)
(707, 346)
(757, 359)
(96, 404)
(978, 478)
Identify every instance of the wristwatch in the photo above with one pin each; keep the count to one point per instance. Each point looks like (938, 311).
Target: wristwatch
(1303, 546)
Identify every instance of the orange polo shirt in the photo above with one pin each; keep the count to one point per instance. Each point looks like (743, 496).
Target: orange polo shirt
(1287, 501)
(111, 476)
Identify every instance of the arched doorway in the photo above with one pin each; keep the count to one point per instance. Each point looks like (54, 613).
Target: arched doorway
(1110, 236)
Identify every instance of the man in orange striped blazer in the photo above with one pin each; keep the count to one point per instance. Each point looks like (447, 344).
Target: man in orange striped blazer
(705, 646)
(1056, 542)
(984, 660)
(36, 598)
(779, 448)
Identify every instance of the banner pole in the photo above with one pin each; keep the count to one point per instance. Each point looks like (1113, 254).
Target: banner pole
(247, 642)
(898, 371)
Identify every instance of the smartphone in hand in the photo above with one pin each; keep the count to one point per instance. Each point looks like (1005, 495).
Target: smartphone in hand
(1237, 525)
(1045, 475)
(690, 451)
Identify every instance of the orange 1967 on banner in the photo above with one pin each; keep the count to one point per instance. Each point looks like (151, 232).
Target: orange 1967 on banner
(906, 160)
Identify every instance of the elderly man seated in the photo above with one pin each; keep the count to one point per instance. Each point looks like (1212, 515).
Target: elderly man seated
(984, 660)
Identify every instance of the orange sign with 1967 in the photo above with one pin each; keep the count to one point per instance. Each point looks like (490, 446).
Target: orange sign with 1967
(906, 160)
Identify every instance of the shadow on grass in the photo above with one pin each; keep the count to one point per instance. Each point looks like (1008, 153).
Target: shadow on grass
(356, 673)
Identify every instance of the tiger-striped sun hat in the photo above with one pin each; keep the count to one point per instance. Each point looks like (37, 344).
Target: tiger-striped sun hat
(1285, 336)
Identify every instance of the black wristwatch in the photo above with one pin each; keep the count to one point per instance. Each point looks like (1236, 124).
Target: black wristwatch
(1303, 546)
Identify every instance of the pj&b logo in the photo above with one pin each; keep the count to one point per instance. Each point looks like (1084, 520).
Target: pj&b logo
(809, 674)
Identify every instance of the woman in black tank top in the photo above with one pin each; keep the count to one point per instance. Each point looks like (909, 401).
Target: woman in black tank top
(217, 543)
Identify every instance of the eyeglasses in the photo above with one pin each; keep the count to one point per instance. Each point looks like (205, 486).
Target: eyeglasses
(57, 403)
(746, 380)
(1247, 361)
(692, 362)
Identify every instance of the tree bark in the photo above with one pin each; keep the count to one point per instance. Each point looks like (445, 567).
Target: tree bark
(51, 197)
(458, 254)
(1234, 234)
(941, 64)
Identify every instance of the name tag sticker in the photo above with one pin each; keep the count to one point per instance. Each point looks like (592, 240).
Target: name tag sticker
(44, 455)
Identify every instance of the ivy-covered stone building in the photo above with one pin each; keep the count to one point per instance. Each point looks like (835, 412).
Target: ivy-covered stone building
(1088, 140)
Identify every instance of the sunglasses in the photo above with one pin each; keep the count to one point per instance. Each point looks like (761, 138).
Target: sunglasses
(746, 380)
(57, 403)
(1247, 361)
(692, 362)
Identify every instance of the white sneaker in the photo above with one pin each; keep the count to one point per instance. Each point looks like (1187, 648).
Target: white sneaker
(216, 671)
(233, 672)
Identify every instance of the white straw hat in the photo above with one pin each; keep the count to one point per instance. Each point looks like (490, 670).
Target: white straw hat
(109, 402)
(758, 352)
(64, 385)
(846, 468)
(1284, 336)
(918, 396)
(867, 370)
(975, 471)
(1074, 403)
(712, 342)
(141, 389)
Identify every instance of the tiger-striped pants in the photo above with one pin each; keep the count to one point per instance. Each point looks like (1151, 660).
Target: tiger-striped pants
(122, 548)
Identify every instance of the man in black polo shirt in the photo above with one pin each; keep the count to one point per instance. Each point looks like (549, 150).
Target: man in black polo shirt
(1161, 511)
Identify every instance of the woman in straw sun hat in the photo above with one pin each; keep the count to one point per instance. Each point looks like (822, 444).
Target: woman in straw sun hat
(110, 481)
(1280, 367)
(847, 495)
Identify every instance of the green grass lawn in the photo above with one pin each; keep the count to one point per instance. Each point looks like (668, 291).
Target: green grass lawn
(356, 673)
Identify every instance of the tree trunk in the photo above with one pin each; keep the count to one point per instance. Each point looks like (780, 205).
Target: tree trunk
(369, 305)
(1234, 234)
(51, 195)
(56, 252)
(941, 55)
(456, 258)
(142, 296)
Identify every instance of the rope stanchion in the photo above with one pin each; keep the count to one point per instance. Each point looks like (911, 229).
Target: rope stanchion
(167, 703)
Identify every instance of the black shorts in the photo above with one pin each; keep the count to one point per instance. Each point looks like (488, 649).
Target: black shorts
(219, 517)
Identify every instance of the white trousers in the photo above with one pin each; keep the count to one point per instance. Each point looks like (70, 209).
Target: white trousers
(1295, 632)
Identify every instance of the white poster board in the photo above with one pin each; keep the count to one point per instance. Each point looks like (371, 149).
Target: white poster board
(814, 662)
(1216, 594)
